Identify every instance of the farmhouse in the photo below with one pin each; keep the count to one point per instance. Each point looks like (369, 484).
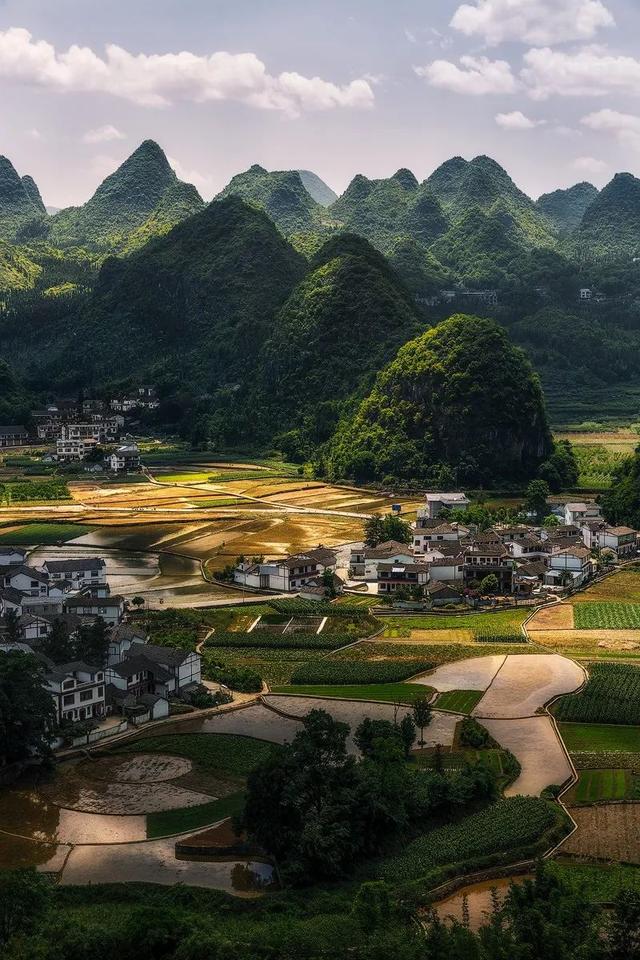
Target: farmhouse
(289, 574)
(401, 576)
(78, 691)
(437, 502)
(390, 551)
(13, 436)
(572, 565)
(126, 459)
(81, 571)
(111, 608)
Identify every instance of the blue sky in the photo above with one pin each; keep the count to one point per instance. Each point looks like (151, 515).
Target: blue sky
(550, 88)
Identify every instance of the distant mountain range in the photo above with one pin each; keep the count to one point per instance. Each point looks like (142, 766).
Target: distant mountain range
(270, 314)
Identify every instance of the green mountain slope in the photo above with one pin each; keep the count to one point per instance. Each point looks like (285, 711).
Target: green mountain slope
(20, 201)
(281, 194)
(339, 326)
(480, 246)
(319, 190)
(461, 185)
(17, 271)
(143, 190)
(200, 298)
(610, 226)
(384, 210)
(459, 403)
(565, 208)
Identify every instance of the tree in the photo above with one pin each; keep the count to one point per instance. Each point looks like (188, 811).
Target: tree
(138, 602)
(371, 732)
(372, 906)
(407, 733)
(489, 584)
(93, 642)
(329, 583)
(551, 521)
(380, 529)
(624, 927)
(422, 716)
(57, 644)
(27, 711)
(537, 496)
(25, 896)
(11, 625)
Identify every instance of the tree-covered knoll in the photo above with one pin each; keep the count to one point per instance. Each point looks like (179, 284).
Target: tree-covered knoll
(20, 202)
(383, 210)
(340, 325)
(143, 190)
(610, 226)
(459, 403)
(461, 185)
(419, 270)
(565, 208)
(282, 195)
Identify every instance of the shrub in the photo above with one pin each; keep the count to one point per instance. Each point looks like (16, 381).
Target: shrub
(473, 734)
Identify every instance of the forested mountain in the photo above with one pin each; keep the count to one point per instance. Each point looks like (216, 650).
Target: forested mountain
(249, 341)
(462, 186)
(319, 190)
(383, 210)
(20, 201)
(459, 404)
(610, 226)
(565, 208)
(281, 194)
(143, 194)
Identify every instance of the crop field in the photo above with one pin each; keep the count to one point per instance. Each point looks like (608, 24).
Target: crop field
(459, 701)
(45, 533)
(606, 616)
(475, 625)
(603, 786)
(437, 653)
(359, 671)
(385, 692)
(261, 639)
(612, 695)
(600, 883)
(609, 832)
(622, 587)
(511, 825)
(275, 665)
(600, 737)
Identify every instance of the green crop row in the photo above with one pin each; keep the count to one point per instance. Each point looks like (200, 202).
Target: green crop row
(266, 639)
(359, 671)
(612, 695)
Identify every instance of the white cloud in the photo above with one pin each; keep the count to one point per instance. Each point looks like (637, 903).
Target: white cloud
(103, 134)
(589, 166)
(590, 71)
(516, 121)
(202, 181)
(532, 21)
(475, 75)
(157, 80)
(625, 126)
(34, 133)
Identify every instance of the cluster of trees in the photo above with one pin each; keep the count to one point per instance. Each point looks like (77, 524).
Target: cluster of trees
(621, 504)
(27, 713)
(320, 811)
(391, 527)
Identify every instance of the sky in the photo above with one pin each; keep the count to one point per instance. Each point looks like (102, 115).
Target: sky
(548, 88)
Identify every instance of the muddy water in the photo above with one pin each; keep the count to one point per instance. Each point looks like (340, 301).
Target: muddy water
(480, 900)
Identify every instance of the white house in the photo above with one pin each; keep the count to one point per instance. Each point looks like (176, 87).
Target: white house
(577, 513)
(622, 540)
(13, 436)
(120, 640)
(80, 571)
(76, 449)
(437, 502)
(288, 574)
(111, 608)
(150, 669)
(78, 691)
(126, 459)
(426, 535)
(28, 580)
(401, 576)
(11, 555)
(573, 565)
(449, 568)
(391, 551)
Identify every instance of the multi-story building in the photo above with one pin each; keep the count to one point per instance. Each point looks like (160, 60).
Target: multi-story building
(78, 690)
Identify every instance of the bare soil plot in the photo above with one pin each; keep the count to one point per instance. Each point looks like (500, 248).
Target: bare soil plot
(533, 741)
(475, 674)
(525, 683)
(557, 617)
(589, 642)
(441, 729)
(606, 832)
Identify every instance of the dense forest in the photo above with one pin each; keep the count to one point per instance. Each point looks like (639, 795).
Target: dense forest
(282, 315)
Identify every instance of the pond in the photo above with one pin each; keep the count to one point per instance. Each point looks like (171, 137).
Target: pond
(474, 903)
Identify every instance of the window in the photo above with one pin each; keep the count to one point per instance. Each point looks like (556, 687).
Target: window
(98, 676)
(68, 684)
(101, 691)
(68, 699)
(86, 695)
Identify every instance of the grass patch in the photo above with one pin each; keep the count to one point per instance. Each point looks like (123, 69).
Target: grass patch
(600, 883)
(387, 692)
(596, 786)
(47, 534)
(213, 752)
(606, 616)
(459, 701)
(506, 623)
(597, 737)
(166, 822)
